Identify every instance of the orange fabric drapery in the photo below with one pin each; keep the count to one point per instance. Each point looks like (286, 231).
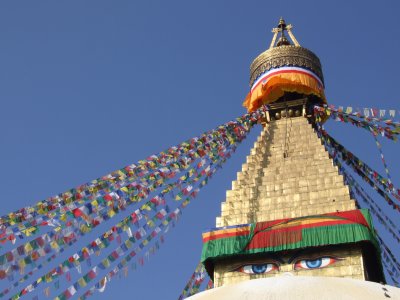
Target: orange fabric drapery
(277, 83)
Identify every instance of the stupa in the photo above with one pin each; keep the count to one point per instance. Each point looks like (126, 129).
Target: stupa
(289, 228)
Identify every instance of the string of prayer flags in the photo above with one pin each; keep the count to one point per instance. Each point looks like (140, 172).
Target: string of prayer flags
(393, 273)
(122, 265)
(388, 256)
(337, 152)
(372, 126)
(373, 207)
(132, 254)
(379, 146)
(362, 169)
(230, 132)
(102, 241)
(200, 172)
(369, 114)
(193, 285)
(133, 191)
(59, 241)
(109, 211)
(189, 284)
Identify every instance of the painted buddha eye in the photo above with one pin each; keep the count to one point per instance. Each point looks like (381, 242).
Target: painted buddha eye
(258, 268)
(316, 263)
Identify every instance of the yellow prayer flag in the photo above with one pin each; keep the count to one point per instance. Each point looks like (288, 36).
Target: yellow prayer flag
(106, 262)
(54, 244)
(84, 228)
(28, 247)
(145, 207)
(22, 263)
(82, 282)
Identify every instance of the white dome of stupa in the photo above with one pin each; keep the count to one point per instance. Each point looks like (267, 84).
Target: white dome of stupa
(301, 287)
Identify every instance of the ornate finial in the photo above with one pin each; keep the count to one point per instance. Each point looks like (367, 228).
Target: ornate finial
(283, 41)
(267, 83)
(282, 24)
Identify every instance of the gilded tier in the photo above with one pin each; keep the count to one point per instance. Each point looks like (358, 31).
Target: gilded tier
(285, 55)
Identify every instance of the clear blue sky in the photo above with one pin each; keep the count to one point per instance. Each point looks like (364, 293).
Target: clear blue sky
(88, 87)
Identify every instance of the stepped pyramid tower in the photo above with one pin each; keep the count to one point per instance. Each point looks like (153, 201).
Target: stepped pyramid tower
(289, 211)
(289, 175)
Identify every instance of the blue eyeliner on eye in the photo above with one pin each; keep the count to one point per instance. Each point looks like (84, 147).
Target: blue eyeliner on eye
(315, 263)
(258, 268)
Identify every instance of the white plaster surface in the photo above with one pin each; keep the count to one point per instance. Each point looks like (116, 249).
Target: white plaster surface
(301, 287)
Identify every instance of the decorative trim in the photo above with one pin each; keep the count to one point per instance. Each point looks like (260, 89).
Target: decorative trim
(285, 56)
